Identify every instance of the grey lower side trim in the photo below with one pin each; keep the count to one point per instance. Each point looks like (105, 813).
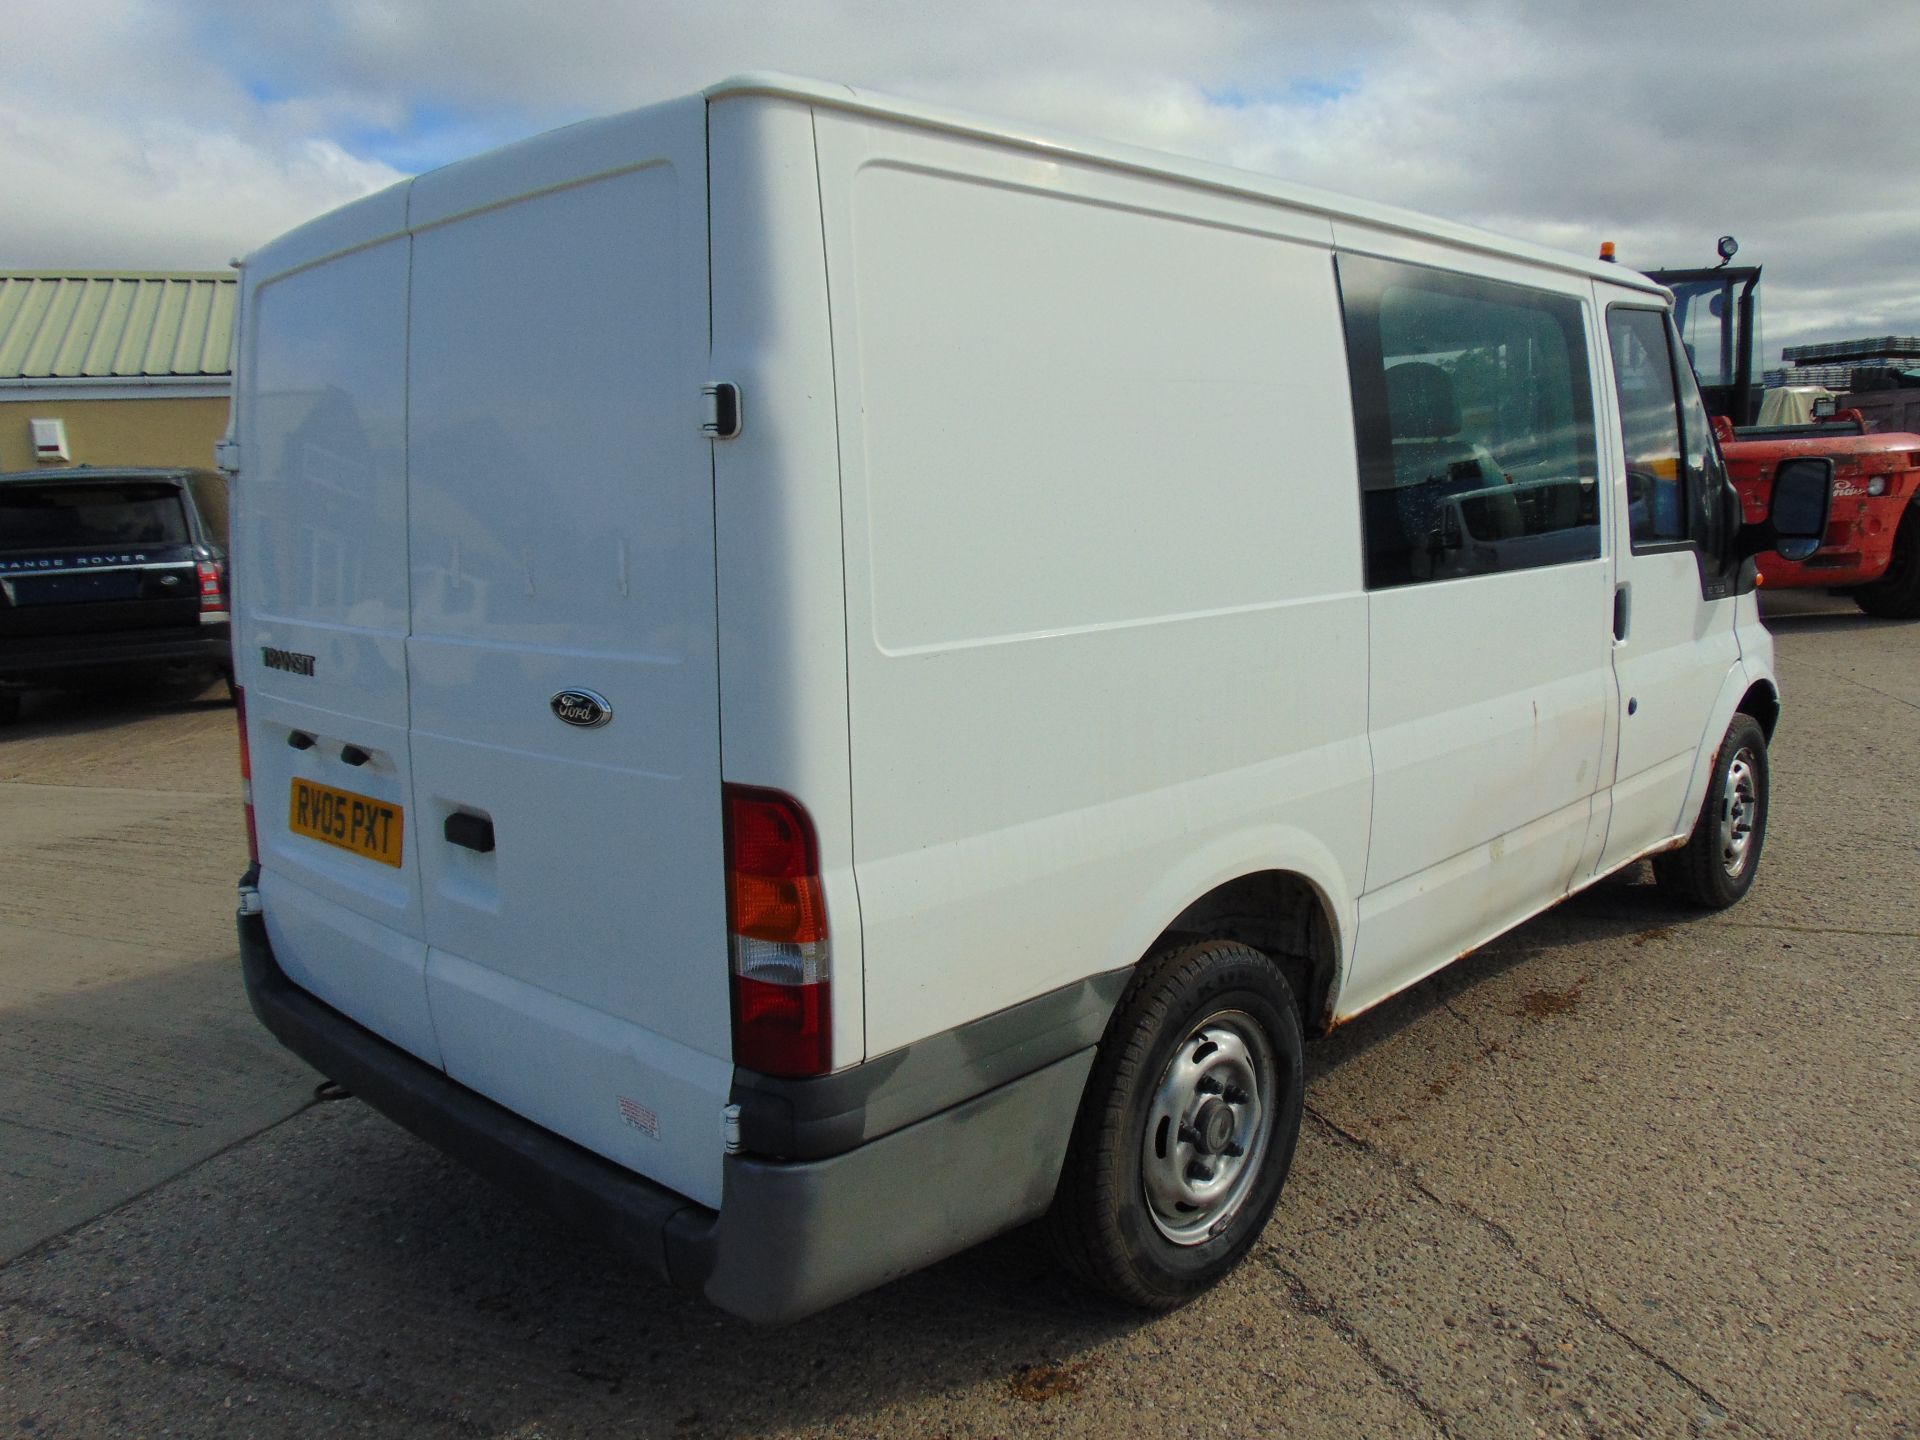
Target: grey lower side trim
(814, 1119)
(794, 1239)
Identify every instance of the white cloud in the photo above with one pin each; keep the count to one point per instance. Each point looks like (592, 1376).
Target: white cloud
(159, 194)
(214, 123)
(123, 145)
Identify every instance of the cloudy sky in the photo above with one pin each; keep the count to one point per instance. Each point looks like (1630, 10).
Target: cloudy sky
(178, 133)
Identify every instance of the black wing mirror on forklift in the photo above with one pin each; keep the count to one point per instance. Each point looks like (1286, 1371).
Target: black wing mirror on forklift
(1797, 515)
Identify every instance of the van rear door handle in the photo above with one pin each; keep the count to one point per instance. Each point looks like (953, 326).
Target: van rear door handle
(475, 832)
(1622, 609)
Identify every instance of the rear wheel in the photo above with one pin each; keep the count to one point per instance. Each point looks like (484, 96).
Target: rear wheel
(9, 706)
(1716, 866)
(1896, 594)
(1187, 1128)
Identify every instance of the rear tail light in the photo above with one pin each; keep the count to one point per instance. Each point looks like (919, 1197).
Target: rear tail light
(213, 589)
(777, 936)
(246, 773)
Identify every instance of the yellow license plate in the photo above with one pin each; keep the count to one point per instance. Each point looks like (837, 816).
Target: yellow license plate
(357, 823)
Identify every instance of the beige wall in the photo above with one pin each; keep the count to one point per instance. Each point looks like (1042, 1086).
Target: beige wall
(161, 432)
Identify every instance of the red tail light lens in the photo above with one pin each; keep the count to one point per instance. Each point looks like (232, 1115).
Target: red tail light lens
(777, 940)
(213, 588)
(246, 773)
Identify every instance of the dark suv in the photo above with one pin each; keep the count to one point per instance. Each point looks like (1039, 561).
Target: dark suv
(106, 573)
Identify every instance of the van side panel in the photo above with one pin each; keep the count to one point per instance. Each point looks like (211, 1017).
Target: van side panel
(776, 502)
(321, 588)
(561, 539)
(1103, 579)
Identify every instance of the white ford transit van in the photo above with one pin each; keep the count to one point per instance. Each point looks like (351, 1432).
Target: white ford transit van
(824, 678)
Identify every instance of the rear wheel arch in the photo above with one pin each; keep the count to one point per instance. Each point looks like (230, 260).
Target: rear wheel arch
(1283, 915)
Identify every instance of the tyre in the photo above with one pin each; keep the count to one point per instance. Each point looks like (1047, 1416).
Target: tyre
(1187, 1127)
(9, 706)
(1896, 594)
(1717, 864)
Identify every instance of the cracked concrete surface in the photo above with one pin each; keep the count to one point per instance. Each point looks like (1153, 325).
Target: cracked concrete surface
(1629, 1171)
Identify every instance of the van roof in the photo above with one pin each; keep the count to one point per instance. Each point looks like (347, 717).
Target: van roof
(384, 213)
(1175, 167)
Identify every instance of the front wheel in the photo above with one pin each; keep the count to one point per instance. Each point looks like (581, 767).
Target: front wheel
(1187, 1128)
(1716, 866)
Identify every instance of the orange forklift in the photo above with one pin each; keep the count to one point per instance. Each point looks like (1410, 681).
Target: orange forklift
(1872, 546)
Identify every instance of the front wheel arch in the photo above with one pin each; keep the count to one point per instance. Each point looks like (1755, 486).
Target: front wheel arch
(1717, 865)
(1762, 702)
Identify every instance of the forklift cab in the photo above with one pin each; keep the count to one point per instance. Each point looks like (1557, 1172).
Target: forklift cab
(1718, 313)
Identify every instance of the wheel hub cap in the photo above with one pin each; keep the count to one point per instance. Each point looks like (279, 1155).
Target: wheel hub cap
(1215, 1123)
(1207, 1127)
(1739, 813)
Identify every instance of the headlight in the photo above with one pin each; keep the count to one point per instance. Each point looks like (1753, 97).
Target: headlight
(1877, 484)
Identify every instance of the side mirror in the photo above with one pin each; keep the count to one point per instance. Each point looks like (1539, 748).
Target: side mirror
(1825, 408)
(1797, 516)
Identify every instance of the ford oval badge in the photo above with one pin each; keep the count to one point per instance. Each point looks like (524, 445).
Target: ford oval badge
(582, 708)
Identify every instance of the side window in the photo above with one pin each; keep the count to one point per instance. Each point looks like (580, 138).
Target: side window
(1643, 377)
(1473, 407)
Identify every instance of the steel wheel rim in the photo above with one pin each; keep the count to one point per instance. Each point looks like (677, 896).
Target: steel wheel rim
(1739, 813)
(1207, 1127)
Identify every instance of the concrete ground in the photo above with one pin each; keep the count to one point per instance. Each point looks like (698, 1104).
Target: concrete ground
(1629, 1171)
(124, 1057)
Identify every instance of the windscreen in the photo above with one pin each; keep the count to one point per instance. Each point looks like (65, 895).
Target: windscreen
(52, 517)
(1705, 310)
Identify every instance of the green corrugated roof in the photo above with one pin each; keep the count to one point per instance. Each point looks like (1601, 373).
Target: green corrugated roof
(71, 324)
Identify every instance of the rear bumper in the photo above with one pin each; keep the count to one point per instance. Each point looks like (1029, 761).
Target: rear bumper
(790, 1237)
(49, 659)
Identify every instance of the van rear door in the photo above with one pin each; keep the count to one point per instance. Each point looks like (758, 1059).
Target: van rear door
(561, 545)
(320, 592)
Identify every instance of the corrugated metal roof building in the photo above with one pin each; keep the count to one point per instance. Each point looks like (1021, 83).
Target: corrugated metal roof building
(117, 368)
(75, 325)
